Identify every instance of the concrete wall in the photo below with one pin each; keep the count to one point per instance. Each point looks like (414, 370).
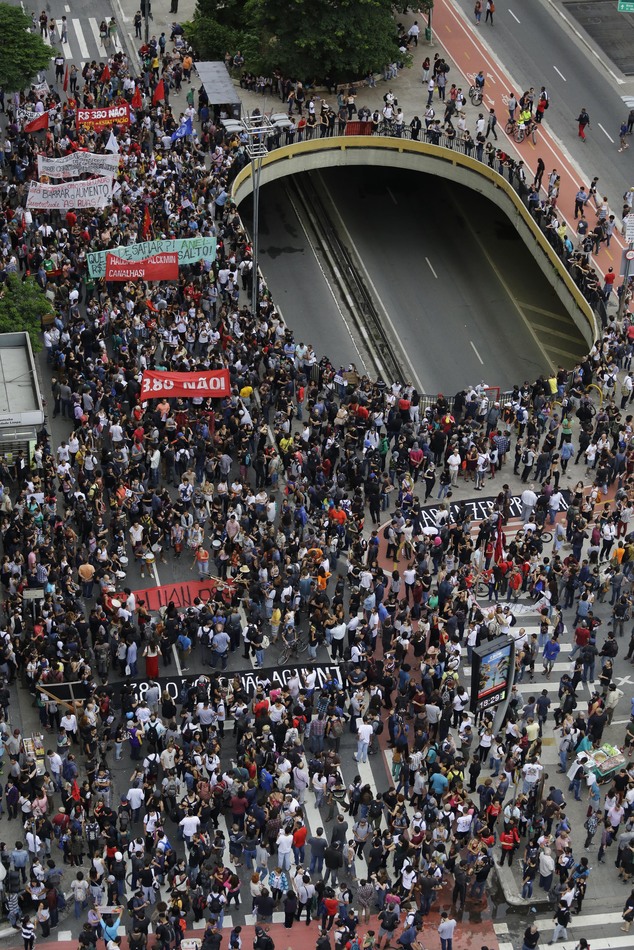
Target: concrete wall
(433, 160)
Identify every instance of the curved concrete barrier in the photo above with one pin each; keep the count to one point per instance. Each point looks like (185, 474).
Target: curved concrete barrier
(433, 160)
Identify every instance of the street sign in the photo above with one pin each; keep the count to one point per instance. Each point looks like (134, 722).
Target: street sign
(625, 6)
(629, 222)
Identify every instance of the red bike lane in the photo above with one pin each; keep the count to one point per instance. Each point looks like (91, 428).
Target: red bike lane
(464, 45)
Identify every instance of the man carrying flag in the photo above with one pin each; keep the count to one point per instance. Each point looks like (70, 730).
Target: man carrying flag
(137, 101)
(184, 129)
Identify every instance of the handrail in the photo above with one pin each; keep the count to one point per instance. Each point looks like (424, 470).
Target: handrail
(391, 144)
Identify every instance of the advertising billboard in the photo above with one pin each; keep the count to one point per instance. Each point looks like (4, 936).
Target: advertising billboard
(492, 672)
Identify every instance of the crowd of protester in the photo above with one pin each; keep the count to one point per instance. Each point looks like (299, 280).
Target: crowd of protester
(271, 490)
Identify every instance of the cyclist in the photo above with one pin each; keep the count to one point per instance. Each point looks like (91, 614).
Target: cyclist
(526, 121)
(479, 81)
(290, 638)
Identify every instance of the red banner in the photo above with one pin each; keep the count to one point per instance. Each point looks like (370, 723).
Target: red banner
(358, 128)
(104, 118)
(157, 384)
(182, 593)
(158, 267)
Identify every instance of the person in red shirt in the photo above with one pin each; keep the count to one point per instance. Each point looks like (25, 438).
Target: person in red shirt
(509, 841)
(493, 812)
(582, 636)
(299, 841)
(338, 515)
(608, 282)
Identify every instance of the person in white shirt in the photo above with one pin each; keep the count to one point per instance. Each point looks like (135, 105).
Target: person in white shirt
(190, 825)
(364, 734)
(284, 846)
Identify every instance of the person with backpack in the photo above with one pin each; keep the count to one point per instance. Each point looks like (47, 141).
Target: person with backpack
(263, 940)
(388, 918)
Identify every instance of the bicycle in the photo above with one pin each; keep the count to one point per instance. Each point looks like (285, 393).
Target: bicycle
(293, 648)
(476, 95)
(522, 132)
(481, 589)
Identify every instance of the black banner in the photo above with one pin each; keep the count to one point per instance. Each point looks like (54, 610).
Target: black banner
(279, 677)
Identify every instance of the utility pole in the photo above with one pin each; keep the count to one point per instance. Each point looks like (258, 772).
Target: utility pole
(256, 127)
(629, 256)
(146, 11)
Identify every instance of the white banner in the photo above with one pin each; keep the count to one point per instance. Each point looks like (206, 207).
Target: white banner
(70, 166)
(96, 193)
(41, 89)
(29, 115)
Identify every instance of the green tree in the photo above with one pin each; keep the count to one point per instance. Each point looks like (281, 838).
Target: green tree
(22, 306)
(216, 28)
(305, 39)
(25, 53)
(342, 39)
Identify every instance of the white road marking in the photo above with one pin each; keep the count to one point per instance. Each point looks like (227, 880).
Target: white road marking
(390, 193)
(95, 32)
(559, 73)
(413, 373)
(66, 8)
(513, 15)
(605, 133)
(476, 352)
(67, 51)
(81, 39)
(431, 268)
(328, 284)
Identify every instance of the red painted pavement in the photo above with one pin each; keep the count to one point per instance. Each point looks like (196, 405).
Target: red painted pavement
(463, 43)
(469, 935)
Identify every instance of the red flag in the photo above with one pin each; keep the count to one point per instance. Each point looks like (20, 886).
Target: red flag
(65, 86)
(74, 792)
(137, 102)
(159, 92)
(146, 226)
(40, 123)
(105, 76)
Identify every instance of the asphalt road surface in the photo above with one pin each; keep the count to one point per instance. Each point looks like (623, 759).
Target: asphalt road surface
(540, 50)
(465, 298)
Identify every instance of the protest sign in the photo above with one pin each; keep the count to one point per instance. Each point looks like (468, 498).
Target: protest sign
(96, 193)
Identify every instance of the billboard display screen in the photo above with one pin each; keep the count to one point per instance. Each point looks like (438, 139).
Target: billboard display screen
(492, 672)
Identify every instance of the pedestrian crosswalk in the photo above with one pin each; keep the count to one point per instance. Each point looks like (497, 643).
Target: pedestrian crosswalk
(602, 931)
(83, 43)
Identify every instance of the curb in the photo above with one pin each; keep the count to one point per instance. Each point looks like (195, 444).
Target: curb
(511, 893)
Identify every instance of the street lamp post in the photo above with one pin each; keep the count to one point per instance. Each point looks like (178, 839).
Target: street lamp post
(256, 127)
(629, 255)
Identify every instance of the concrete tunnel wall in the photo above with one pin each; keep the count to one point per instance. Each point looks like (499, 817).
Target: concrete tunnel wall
(433, 160)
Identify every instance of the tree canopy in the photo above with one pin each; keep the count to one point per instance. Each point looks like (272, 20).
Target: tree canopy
(23, 303)
(305, 39)
(25, 53)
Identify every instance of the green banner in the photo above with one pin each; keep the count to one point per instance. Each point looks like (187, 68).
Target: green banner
(189, 251)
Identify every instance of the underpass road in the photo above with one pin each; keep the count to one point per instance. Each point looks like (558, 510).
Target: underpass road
(296, 274)
(443, 260)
